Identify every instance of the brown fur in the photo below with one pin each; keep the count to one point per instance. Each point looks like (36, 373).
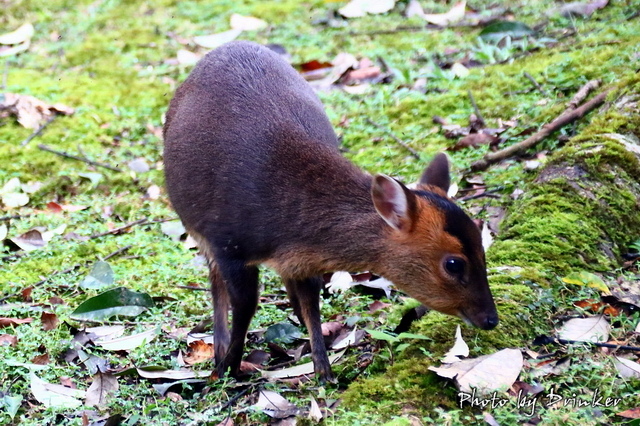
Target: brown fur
(253, 169)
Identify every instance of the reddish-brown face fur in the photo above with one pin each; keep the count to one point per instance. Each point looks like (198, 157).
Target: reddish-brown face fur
(415, 263)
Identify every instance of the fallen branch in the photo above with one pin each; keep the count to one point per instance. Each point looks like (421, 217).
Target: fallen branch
(120, 229)
(395, 138)
(582, 94)
(565, 118)
(535, 84)
(39, 130)
(75, 157)
(15, 216)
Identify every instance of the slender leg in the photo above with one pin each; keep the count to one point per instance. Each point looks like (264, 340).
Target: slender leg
(220, 312)
(241, 284)
(306, 294)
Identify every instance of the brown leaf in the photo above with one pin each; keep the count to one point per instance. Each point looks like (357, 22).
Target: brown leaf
(8, 340)
(101, 389)
(55, 300)
(40, 359)
(377, 305)
(7, 322)
(49, 321)
(314, 65)
(199, 351)
(248, 367)
(31, 112)
(226, 422)
(329, 328)
(633, 413)
(26, 293)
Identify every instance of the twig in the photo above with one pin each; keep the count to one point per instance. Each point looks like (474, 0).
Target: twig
(66, 271)
(121, 228)
(117, 252)
(39, 129)
(546, 130)
(476, 109)
(395, 138)
(582, 94)
(536, 84)
(15, 216)
(190, 287)
(75, 157)
(599, 345)
(236, 397)
(13, 256)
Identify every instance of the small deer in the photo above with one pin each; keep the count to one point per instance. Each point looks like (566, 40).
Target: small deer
(254, 171)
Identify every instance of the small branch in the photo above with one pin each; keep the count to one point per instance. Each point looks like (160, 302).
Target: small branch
(75, 157)
(39, 129)
(565, 118)
(190, 287)
(120, 229)
(582, 94)
(117, 252)
(15, 216)
(66, 271)
(395, 138)
(535, 84)
(476, 109)
(599, 345)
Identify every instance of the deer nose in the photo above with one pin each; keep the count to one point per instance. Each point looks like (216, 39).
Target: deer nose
(490, 322)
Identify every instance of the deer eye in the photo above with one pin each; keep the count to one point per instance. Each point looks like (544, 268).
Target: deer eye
(454, 265)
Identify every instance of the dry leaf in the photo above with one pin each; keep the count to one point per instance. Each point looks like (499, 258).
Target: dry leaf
(30, 240)
(246, 23)
(199, 351)
(30, 112)
(627, 368)
(187, 58)
(298, 370)
(314, 411)
(52, 395)
(487, 373)
(413, 9)
(49, 321)
(359, 8)
(8, 340)
(591, 329)
(8, 322)
(633, 413)
(101, 389)
(274, 405)
(21, 35)
(128, 342)
(452, 16)
(212, 41)
(459, 349)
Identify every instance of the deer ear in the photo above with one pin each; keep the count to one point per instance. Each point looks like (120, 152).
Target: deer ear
(437, 173)
(393, 201)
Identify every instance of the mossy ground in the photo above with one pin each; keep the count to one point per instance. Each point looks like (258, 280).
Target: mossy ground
(108, 60)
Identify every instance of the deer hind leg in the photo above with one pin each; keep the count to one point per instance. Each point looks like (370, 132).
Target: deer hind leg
(305, 299)
(221, 337)
(240, 283)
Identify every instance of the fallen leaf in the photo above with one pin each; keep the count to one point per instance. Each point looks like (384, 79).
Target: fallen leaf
(41, 359)
(30, 112)
(139, 165)
(314, 411)
(282, 332)
(172, 374)
(359, 8)
(186, 57)
(487, 238)
(455, 14)
(174, 229)
(153, 192)
(246, 23)
(633, 413)
(275, 406)
(49, 321)
(340, 281)
(298, 370)
(590, 329)
(350, 339)
(21, 35)
(102, 388)
(101, 276)
(199, 351)
(413, 9)
(212, 41)
(583, 9)
(487, 373)
(118, 301)
(459, 349)
(14, 50)
(498, 30)
(129, 342)
(474, 140)
(8, 322)
(52, 395)
(627, 368)
(587, 279)
(8, 340)
(11, 404)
